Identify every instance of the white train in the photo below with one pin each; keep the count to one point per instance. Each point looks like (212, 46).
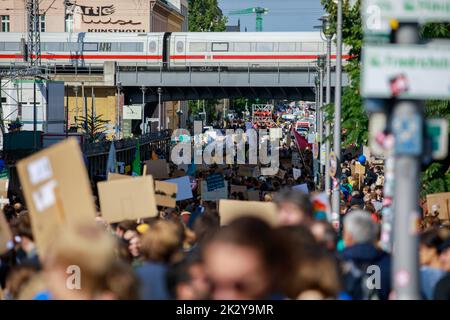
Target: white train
(172, 50)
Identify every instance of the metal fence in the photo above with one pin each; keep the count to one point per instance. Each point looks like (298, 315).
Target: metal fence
(97, 153)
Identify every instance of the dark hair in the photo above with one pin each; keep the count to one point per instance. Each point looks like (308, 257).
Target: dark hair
(9, 212)
(298, 198)
(179, 273)
(430, 238)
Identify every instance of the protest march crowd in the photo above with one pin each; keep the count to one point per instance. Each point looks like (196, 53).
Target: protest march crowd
(232, 235)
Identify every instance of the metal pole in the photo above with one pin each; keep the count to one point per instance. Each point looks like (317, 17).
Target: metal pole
(407, 185)
(327, 123)
(118, 113)
(321, 105)
(92, 111)
(159, 110)
(144, 89)
(76, 105)
(34, 115)
(336, 199)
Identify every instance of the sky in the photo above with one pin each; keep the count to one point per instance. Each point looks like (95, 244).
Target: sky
(284, 15)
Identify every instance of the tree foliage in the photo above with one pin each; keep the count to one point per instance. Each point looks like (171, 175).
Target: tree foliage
(94, 127)
(206, 16)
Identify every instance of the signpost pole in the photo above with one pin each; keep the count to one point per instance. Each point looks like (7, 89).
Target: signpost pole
(336, 198)
(407, 123)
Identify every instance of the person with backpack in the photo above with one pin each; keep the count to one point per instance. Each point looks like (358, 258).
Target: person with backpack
(366, 268)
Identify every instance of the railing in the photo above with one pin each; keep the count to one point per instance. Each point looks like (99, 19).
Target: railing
(97, 153)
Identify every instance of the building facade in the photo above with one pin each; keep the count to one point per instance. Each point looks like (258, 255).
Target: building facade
(125, 16)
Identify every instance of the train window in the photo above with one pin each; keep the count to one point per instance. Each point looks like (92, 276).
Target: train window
(286, 46)
(131, 47)
(242, 46)
(198, 47)
(264, 46)
(71, 46)
(219, 46)
(52, 46)
(152, 46)
(12, 46)
(310, 46)
(90, 46)
(105, 46)
(115, 47)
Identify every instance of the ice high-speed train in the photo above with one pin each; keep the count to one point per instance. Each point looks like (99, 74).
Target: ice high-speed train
(172, 50)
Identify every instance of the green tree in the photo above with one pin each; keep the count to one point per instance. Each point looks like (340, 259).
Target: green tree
(96, 127)
(206, 16)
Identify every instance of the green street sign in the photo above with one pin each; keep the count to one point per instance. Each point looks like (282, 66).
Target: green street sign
(377, 14)
(406, 71)
(437, 131)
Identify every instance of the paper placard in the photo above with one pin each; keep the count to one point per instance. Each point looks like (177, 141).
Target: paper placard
(254, 195)
(59, 195)
(159, 169)
(166, 194)
(127, 199)
(214, 181)
(214, 195)
(360, 169)
(184, 190)
(117, 176)
(5, 235)
(230, 210)
(237, 189)
(297, 173)
(4, 188)
(441, 203)
(280, 174)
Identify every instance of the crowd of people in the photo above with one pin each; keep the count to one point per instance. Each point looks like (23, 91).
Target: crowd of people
(186, 254)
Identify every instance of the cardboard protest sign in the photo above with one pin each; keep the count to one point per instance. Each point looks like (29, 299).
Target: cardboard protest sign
(57, 190)
(297, 173)
(439, 202)
(253, 195)
(116, 176)
(280, 174)
(215, 181)
(4, 188)
(159, 169)
(5, 235)
(127, 199)
(184, 190)
(360, 169)
(230, 210)
(237, 189)
(217, 194)
(301, 187)
(166, 194)
(246, 171)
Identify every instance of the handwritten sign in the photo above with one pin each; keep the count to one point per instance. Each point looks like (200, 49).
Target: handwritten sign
(214, 181)
(57, 190)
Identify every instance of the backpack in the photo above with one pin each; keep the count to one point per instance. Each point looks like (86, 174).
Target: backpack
(355, 281)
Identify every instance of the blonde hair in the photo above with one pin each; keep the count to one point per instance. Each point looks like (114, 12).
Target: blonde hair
(161, 241)
(90, 248)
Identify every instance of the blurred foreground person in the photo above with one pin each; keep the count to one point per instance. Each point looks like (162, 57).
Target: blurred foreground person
(363, 262)
(442, 290)
(294, 208)
(160, 245)
(187, 280)
(77, 263)
(241, 261)
(317, 276)
(430, 265)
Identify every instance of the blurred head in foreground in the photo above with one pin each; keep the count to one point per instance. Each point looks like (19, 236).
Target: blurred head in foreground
(78, 262)
(240, 260)
(294, 207)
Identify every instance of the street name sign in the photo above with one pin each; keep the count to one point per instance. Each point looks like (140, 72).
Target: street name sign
(377, 14)
(408, 72)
